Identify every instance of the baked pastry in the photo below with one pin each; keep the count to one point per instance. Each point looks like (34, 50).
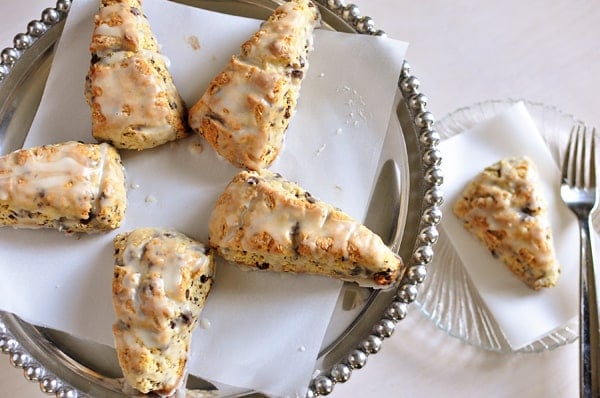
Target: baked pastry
(504, 208)
(266, 222)
(246, 109)
(130, 91)
(71, 186)
(160, 284)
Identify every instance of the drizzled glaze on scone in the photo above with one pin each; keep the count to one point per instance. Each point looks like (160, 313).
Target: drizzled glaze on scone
(266, 222)
(161, 281)
(247, 108)
(504, 208)
(71, 186)
(130, 91)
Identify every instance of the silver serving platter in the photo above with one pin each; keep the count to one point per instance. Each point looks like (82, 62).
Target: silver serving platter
(70, 367)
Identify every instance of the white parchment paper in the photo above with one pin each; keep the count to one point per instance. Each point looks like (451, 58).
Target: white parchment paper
(260, 330)
(524, 315)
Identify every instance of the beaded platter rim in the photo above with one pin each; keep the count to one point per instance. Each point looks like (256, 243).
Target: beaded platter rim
(427, 140)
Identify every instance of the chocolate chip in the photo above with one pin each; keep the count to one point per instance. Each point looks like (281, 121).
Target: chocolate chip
(185, 318)
(90, 217)
(262, 265)
(295, 236)
(528, 210)
(297, 74)
(309, 198)
(252, 180)
(95, 59)
(135, 11)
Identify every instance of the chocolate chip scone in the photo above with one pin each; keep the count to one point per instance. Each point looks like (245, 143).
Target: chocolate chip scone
(268, 223)
(133, 100)
(161, 281)
(246, 109)
(71, 186)
(504, 208)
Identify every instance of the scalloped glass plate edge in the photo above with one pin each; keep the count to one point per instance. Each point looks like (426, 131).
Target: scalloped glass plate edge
(448, 296)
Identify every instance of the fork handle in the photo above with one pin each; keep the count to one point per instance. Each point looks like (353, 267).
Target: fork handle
(589, 328)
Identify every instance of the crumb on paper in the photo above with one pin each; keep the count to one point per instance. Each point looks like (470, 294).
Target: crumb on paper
(302, 348)
(205, 323)
(321, 74)
(338, 131)
(150, 199)
(357, 106)
(338, 188)
(195, 147)
(194, 42)
(134, 186)
(321, 149)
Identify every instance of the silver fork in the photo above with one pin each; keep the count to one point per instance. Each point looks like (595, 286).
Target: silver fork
(578, 191)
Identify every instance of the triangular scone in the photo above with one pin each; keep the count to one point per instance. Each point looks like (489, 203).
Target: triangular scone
(268, 223)
(71, 186)
(160, 284)
(133, 100)
(246, 109)
(503, 206)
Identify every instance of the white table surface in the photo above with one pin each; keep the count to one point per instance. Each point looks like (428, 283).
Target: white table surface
(462, 51)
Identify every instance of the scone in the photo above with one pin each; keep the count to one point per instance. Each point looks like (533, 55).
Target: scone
(160, 284)
(71, 186)
(133, 100)
(246, 109)
(266, 222)
(504, 208)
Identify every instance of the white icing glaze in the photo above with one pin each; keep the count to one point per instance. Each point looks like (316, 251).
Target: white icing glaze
(506, 200)
(154, 292)
(311, 224)
(254, 98)
(128, 97)
(284, 38)
(118, 21)
(61, 177)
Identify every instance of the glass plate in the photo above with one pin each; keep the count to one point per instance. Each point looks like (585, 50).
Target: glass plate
(449, 297)
(71, 367)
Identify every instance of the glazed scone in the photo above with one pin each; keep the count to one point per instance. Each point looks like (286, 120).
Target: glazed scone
(504, 208)
(133, 100)
(266, 222)
(160, 284)
(73, 187)
(247, 108)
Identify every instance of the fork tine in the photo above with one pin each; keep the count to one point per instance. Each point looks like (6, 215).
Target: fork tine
(566, 169)
(593, 160)
(580, 154)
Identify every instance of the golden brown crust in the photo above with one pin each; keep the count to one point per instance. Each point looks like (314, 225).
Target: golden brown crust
(72, 187)
(246, 109)
(266, 222)
(160, 284)
(504, 208)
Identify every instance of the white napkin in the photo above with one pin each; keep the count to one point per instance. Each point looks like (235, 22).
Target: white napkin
(260, 331)
(524, 315)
